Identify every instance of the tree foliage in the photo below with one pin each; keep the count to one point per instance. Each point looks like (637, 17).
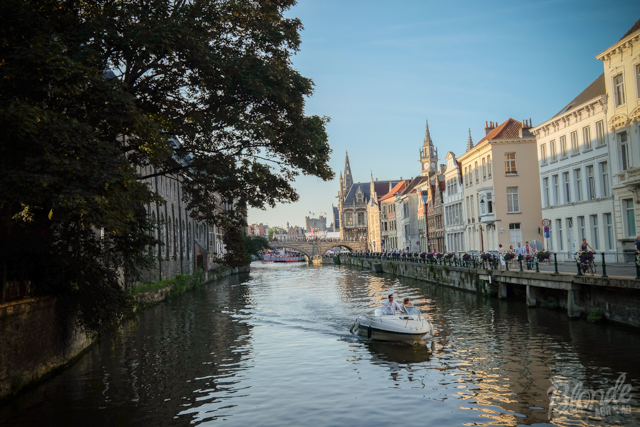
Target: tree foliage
(92, 92)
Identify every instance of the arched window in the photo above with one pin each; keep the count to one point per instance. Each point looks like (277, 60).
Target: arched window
(477, 173)
(175, 236)
(161, 230)
(154, 232)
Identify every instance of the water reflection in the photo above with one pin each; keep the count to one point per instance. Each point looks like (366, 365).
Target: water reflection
(274, 349)
(384, 352)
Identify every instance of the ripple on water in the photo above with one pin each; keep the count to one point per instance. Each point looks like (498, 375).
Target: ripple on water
(274, 349)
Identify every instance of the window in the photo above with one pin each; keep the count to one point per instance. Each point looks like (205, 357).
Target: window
(618, 83)
(468, 209)
(563, 147)
(349, 217)
(566, 185)
(489, 165)
(489, 203)
(554, 156)
(484, 169)
(543, 153)
(513, 203)
(638, 80)
(477, 173)
(473, 211)
(608, 231)
(586, 136)
(604, 172)
(545, 192)
(578, 176)
(556, 190)
(582, 229)
(406, 231)
(466, 175)
(574, 142)
(591, 183)
(559, 225)
(600, 132)
(629, 217)
(594, 227)
(624, 151)
(510, 163)
(515, 234)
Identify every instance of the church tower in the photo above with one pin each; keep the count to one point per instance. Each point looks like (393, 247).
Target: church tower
(428, 155)
(348, 178)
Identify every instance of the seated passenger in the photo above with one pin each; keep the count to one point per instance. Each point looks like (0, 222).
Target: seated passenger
(407, 302)
(391, 306)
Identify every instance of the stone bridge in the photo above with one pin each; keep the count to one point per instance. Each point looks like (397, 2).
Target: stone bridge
(318, 247)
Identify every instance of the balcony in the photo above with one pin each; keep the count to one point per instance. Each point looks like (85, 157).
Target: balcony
(631, 179)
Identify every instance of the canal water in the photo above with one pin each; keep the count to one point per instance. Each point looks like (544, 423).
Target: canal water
(273, 348)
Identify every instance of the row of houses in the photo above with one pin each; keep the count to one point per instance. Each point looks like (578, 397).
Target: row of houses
(579, 171)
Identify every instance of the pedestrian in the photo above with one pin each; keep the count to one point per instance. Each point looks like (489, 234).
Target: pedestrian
(528, 256)
(519, 252)
(501, 256)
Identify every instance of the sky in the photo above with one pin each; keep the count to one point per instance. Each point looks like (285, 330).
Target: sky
(382, 68)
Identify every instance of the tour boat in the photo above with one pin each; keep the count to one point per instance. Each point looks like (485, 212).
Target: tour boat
(269, 257)
(410, 326)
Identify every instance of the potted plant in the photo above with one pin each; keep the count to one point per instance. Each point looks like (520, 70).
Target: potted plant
(543, 256)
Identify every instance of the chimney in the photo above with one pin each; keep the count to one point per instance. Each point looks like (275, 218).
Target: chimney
(488, 128)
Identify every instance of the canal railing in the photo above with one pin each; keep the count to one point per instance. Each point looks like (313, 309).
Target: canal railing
(583, 264)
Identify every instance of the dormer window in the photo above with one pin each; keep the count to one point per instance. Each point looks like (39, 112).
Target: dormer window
(359, 196)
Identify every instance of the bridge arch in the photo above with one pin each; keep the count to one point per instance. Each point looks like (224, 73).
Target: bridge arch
(290, 245)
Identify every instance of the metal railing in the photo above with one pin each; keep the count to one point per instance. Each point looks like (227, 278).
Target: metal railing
(597, 265)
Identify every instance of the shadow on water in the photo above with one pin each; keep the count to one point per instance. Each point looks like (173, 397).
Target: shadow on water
(398, 352)
(274, 349)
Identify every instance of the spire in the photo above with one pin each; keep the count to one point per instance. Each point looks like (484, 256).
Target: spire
(427, 137)
(348, 179)
(470, 142)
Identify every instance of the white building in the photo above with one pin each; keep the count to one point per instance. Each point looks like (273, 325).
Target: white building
(453, 206)
(406, 207)
(575, 175)
(622, 80)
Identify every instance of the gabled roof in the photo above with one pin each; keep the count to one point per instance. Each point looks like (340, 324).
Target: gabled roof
(633, 29)
(397, 189)
(413, 184)
(594, 90)
(507, 130)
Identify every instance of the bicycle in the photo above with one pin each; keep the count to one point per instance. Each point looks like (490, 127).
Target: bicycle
(586, 262)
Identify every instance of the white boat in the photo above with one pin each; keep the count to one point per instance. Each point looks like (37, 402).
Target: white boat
(410, 326)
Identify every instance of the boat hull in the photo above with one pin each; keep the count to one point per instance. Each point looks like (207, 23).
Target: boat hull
(392, 328)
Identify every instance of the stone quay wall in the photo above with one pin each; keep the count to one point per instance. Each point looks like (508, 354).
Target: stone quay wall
(618, 298)
(37, 341)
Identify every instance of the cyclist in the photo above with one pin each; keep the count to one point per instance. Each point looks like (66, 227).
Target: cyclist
(585, 245)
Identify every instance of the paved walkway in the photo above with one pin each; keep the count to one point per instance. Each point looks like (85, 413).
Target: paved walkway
(622, 270)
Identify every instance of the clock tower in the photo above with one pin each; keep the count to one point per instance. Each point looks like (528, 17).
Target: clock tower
(428, 155)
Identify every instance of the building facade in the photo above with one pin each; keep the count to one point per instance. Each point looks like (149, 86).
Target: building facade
(453, 204)
(622, 81)
(353, 199)
(388, 219)
(435, 222)
(502, 198)
(318, 224)
(575, 175)
(406, 206)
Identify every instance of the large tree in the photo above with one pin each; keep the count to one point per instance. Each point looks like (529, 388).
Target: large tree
(91, 92)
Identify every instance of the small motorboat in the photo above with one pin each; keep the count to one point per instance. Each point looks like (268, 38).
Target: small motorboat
(409, 326)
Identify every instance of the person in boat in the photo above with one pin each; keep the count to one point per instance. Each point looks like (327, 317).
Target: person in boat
(407, 302)
(390, 307)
